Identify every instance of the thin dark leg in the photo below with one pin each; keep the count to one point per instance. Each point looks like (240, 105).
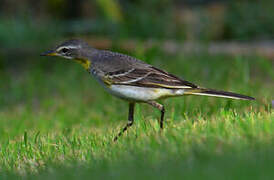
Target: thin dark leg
(161, 108)
(162, 117)
(130, 120)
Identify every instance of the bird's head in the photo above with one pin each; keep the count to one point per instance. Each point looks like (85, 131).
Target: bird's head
(75, 49)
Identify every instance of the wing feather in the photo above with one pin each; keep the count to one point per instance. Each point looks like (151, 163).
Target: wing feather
(116, 68)
(148, 77)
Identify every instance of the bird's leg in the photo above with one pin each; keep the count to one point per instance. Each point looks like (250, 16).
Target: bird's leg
(130, 120)
(161, 108)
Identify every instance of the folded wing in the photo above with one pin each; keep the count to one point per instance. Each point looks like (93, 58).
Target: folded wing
(148, 77)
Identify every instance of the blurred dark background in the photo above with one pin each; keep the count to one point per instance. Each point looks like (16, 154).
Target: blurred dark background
(31, 24)
(220, 44)
(151, 30)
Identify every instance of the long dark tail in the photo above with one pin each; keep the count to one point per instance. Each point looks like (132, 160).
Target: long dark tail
(217, 93)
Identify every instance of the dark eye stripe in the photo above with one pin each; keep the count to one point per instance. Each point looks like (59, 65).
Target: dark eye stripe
(64, 50)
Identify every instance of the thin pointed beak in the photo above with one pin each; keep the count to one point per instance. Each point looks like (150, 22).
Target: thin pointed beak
(49, 53)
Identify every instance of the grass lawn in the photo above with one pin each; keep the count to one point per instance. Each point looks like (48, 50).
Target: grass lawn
(57, 123)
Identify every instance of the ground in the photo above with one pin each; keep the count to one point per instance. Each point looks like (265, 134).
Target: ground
(57, 123)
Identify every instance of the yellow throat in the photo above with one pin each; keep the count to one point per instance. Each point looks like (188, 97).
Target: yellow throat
(84, 62)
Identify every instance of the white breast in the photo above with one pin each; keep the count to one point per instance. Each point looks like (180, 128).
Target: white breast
(142, 93)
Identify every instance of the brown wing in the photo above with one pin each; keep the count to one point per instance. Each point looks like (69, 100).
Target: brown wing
(148, 77)
(121, 69)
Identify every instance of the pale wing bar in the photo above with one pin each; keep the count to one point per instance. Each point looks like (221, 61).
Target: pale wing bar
(148, 77)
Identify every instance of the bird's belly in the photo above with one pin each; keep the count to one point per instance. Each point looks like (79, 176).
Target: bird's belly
(141, 93)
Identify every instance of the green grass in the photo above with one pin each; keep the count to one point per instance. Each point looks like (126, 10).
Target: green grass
(57, 123)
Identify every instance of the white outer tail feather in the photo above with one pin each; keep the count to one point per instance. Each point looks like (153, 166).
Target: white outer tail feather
(215, 93)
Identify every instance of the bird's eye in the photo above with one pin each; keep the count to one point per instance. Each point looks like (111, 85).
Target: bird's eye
(64, 50)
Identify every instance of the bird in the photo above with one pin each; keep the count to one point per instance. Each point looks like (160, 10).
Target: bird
(131, 79)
